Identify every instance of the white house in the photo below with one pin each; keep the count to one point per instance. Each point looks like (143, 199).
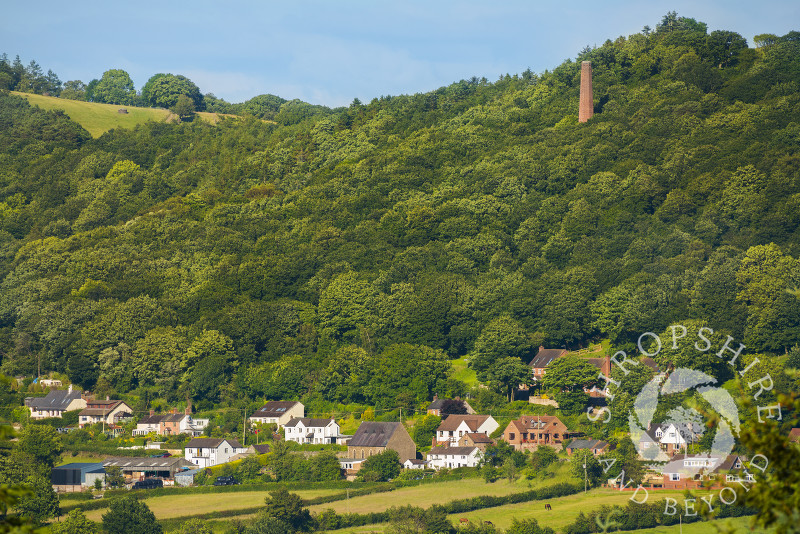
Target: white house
(207, 452)
(453, 457)
(309, 430)
(55, 403)
(109, 411)
(147, 424)
(278, 412)
(456, 426)
(413, 463)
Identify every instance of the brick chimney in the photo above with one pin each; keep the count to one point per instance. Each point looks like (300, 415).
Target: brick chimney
(586, 109)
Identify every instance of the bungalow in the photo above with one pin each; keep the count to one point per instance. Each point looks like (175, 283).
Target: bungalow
(373, 437)
(309, 430)
(542, 359)
(351, 467)
(207, 452)
(109, 412)
(694, 472)
(454, 427)
(55, 403)
(148, 424)
(454, 457)
(595, 446)
(278, 412)
(435, 407)
(413, 463)
(530, 431)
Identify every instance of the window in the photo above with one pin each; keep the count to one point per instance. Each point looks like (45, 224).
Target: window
(510, 435)
(674, 476)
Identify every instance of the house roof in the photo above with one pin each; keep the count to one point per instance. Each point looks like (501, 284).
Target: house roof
(211, 443)
(309, 422)
(414, 461)
(681, 463)
(587, 444)
(545, 356)
(172, 417)
(150, 420)
(477, 437)
(275, 409)
(452, 451)
(261, 449)
(794, 435)
(651, 363)
(374, 434)
(538, 422)
(102, 412)
(58, 399)
(130, 463)
(452, 422)
(84, 467)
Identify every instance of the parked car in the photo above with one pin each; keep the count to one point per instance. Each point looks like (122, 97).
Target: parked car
(226, 481)
(148, 483)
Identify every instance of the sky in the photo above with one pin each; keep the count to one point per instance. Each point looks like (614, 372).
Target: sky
(330, 52)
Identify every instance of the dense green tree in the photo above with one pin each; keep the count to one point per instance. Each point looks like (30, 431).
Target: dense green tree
(74, 90)
(163, 90)
(127, 515)
(114, 87)
(570, 373)
(425, 430)
(380, 467)
(42, 503)
(503, 337)
(76, 523)
(288, 508)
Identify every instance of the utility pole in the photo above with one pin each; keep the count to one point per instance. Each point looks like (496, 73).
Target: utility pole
(585, 477)
(244, 427)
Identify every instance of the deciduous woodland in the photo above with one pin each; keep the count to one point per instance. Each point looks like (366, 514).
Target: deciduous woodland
(348, 255)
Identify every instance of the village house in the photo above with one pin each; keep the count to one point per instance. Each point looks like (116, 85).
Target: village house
(351, 467)
(594, 446)
(435, 407)
(181, 423)
(694, 472)
(542, 359)
(530, 431)
(663, 441)
(55, 403)
(373, 437)
(278, 412)
(148, 424)
(110, 412)
(208, 452)
(475, 439)
(413, 463)
(454, 427)
(309, 430)
(454, 457)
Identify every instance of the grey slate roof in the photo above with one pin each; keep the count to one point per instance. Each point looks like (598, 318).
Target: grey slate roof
(544, 357)
(587, 444)
(211, 443)
(274, 409)
(58, 399)
(373, 434)
(150, 419)
(452, 451)
(309, 422)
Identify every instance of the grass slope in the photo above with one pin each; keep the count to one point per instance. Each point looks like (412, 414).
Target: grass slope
(100, 118)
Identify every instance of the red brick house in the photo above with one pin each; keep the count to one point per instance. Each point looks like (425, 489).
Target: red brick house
(542, 359)
(530, 431)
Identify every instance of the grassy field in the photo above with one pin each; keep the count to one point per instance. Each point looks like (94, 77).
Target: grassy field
(169, 506)
(99, 118)
(463, 373)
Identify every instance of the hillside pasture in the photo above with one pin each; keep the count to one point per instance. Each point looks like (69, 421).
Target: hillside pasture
(100, 118)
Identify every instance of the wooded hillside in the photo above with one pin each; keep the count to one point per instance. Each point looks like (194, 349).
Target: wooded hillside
(348, 256)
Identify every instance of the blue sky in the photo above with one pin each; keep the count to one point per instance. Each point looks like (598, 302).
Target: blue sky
(329, 52)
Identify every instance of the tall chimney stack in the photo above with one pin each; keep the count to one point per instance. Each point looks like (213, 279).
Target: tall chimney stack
(586, 110)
